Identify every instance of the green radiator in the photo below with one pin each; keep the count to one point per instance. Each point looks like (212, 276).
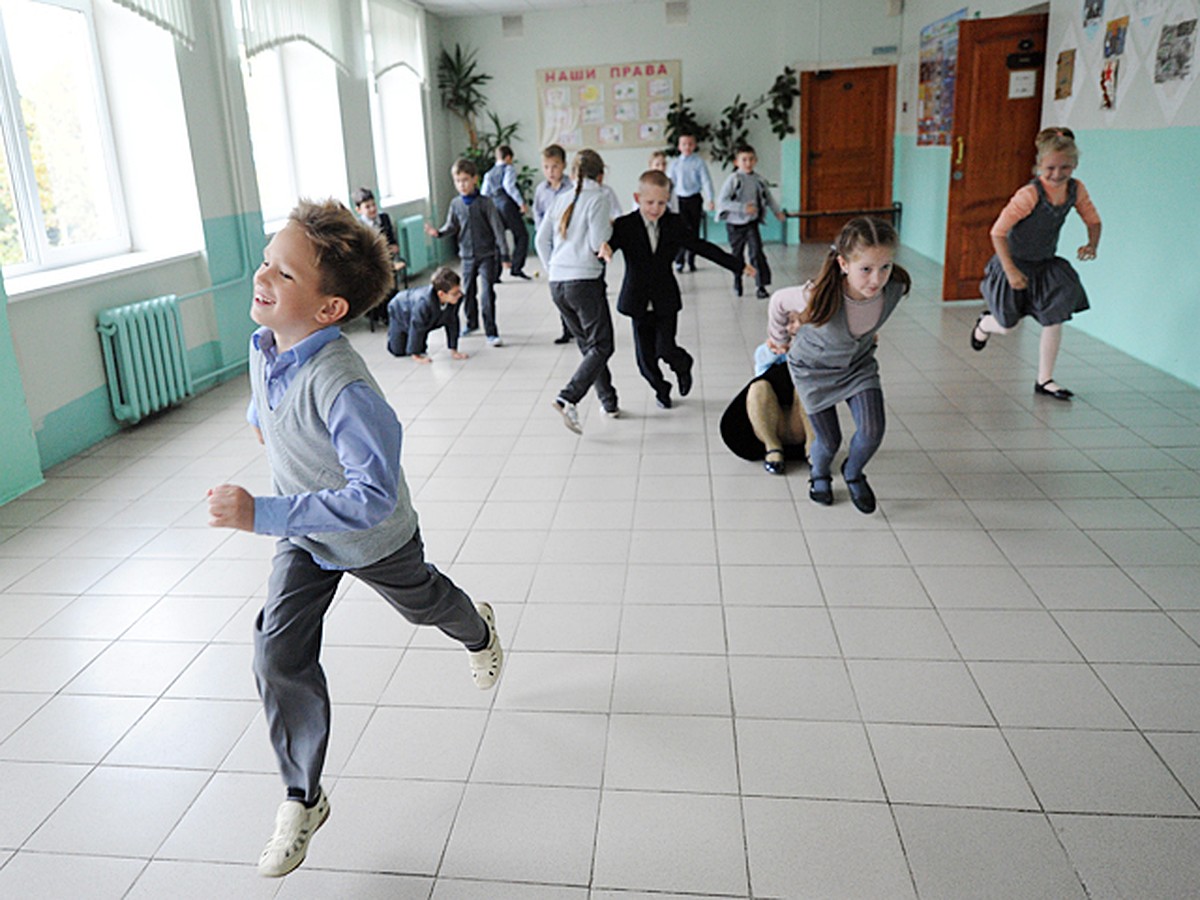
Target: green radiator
(145, 357)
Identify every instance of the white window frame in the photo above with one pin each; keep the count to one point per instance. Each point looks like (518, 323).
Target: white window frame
(40, 255)
(383, 161)
(280, 58)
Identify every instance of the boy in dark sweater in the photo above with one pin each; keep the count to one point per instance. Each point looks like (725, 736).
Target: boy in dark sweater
(473, 220)
(414, 313)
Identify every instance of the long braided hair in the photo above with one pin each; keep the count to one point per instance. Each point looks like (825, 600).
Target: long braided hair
(858, 233)
(587, 164)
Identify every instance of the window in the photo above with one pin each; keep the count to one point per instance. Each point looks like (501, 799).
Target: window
(398, 123)
(60, 198)
(295, 127)
(395, 54)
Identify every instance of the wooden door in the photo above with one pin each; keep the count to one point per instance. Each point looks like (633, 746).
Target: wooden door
(997, 112)
(847, 117)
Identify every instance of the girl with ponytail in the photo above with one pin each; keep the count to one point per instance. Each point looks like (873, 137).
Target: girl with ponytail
(568, 242)
(832, 356)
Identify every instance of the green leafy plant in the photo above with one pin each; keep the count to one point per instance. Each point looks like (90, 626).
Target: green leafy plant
(460, 84)
(682, 119)
(733, 128)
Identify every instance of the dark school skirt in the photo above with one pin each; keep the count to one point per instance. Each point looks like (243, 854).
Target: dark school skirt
(736, 431)
(1053, 296)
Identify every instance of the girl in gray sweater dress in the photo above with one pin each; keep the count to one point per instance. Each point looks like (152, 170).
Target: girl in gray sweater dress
(832, 356)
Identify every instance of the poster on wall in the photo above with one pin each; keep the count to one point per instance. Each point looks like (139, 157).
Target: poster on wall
(935, 93)
(1114, 36)
(1176, 47)
(1093, 12)
(1064, 75)
(1108, 83)
(607, 106)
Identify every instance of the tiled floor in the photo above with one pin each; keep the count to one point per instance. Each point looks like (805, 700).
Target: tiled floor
(714, 688)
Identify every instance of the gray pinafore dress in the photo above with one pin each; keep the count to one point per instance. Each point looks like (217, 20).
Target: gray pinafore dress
(830, 365)
(1055, 292)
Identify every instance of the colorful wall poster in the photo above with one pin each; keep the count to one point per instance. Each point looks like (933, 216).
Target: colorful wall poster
(610, 105)
(1176, 47)
(935, 92)
(1114, 36)
(1064, 75)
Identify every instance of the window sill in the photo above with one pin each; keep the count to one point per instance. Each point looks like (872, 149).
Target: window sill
(37, 284)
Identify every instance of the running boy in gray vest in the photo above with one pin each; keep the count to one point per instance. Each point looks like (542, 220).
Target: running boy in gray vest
(341, 503)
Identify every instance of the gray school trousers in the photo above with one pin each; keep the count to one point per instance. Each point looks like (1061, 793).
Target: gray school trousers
(287, 643)
(583, 306)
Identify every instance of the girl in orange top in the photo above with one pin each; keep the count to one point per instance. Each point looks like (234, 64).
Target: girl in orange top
(1025, 277)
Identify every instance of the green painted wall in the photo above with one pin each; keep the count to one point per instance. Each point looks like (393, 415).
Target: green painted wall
(20, 465)
(1144, 286)
(921, 181)
(73, 428)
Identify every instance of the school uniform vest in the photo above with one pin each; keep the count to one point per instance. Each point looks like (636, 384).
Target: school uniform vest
(303, 459)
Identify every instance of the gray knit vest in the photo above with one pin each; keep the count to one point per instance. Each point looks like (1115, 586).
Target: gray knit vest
(303, 459)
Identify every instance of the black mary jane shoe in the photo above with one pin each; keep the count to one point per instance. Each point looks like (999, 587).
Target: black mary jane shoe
(861, 494)
(774, 466)
(1060, 393)
(976, 343)
(822, 495)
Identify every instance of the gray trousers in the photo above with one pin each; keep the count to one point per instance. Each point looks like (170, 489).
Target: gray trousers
(583, 306)
(287, 643)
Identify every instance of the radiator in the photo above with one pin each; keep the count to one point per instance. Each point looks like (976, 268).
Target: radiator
(414, 245)
(145, 357)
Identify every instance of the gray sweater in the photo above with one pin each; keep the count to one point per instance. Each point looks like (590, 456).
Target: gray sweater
(303, 459)
(477, 227)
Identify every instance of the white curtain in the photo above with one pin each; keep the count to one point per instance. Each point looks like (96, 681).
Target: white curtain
(267, 24)
(396, 35)
(174, 16)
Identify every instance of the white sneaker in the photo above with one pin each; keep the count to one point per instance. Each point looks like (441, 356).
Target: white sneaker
(496, 341)
(294, 826)
(569, 413)
(486, 663)
(613, 413)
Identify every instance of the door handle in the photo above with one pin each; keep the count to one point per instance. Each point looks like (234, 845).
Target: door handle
(959, 159)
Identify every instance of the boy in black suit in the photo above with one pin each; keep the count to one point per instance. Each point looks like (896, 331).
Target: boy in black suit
(650, 237)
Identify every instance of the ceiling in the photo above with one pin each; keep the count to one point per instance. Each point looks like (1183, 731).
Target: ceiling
(511, 7)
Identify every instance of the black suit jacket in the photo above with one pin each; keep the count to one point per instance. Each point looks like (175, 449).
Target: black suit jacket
(649, 281)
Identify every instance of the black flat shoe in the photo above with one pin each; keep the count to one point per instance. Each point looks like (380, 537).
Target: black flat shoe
(1060, 393)
(861, 494)
(663, 399)
(774, 466)
(976, 343)
(822, 495)
(563, 339)
(685, 382)
(761, 294)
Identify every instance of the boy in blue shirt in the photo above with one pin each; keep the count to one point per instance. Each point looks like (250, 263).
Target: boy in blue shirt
(473, 220)
(414, 313)
(341, 503)
(554, 166)
(500, 183)
(693, 191)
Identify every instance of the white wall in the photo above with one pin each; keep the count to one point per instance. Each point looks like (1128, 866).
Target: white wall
(726, 49)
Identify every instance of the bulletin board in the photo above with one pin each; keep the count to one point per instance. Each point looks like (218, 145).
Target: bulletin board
(607, 106)
(935, 94)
